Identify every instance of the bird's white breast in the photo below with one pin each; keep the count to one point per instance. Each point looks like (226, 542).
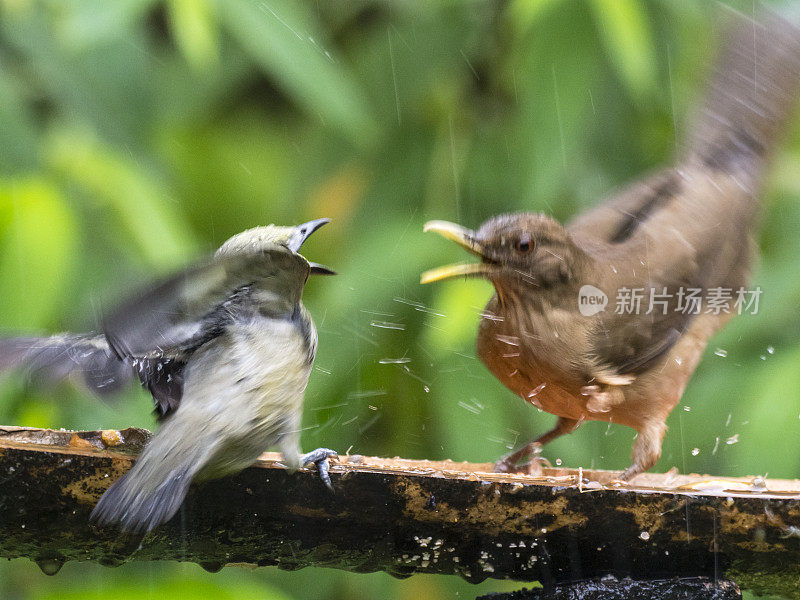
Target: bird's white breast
(252, 377)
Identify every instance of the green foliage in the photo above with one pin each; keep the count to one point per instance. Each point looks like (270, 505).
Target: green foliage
(137, 135)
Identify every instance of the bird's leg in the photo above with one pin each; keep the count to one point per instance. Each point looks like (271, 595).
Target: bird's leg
(533, 450)
(320, 458)
(646, 449)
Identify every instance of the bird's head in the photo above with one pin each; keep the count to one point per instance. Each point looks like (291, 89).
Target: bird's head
(519, 252)
(272, 237)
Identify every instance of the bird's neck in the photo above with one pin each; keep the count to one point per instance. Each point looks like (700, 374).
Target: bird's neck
(276, 304)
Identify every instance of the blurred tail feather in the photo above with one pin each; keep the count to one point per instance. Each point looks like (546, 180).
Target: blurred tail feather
(154, 489)
(751, 96)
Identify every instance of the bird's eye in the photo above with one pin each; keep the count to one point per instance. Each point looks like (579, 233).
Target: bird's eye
(524, 244)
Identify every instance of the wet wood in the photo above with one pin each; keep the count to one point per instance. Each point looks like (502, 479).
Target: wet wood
(611, 588)
(407, 516)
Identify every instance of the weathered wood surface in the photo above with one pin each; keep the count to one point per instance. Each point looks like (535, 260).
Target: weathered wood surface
(611, 588)
(406, 517)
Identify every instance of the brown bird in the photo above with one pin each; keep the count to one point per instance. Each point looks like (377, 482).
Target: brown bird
(606, 319)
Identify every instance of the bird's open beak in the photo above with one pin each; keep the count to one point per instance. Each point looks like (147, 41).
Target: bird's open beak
(466, 239)
(318, 269)
(302, 232)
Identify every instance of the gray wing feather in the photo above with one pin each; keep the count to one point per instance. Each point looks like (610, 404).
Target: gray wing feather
(181, 311)
(48, 361)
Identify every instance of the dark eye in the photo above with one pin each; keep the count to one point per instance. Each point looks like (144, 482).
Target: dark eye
(524, 244)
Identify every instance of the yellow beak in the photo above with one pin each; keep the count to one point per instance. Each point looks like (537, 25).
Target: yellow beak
(464, 238)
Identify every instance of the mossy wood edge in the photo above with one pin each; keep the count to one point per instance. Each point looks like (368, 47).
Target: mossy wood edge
(405, 517)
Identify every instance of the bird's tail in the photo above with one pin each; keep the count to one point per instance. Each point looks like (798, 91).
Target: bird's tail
(751, 97)
(154, 489)
(50, 360)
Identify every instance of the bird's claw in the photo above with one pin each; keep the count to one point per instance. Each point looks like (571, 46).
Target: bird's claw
(508, 464)
(320, 457)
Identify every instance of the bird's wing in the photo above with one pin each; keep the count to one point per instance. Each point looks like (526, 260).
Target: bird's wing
(162, 372)
(617, 219)
(672, 257)
(690, 227)
(50, 360)
(158, 329)
(625, 345)
(186, 309)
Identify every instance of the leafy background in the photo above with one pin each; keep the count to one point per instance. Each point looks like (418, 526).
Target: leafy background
(137, 135)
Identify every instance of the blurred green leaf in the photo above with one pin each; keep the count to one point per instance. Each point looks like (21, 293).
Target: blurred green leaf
(524, 13)
(779, 379)
(553, 67)
(38, 251)
(461, 303)
(626, 33)
(194, 25)
(17, 133)
(182, 587)
(86, 23)
(141, 203)
(102, 86)
(282, 39)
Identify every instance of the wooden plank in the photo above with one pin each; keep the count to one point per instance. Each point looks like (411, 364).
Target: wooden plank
(407, 516)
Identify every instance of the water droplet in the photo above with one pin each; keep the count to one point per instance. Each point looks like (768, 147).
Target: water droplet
(394, 361)
(212, 567)
(770, 350)
(50, 566)
(733, 439)
(535, 391)
(511, 340)
(695, 451)
(687, 408)
(644, 535)
(388, 325)
(720, 352)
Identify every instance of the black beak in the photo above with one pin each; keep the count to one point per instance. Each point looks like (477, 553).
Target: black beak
(301, 235)
(318, 269)
(303, 231)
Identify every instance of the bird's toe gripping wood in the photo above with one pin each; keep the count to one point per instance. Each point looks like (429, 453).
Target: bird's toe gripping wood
(508, 464)
(320, 457)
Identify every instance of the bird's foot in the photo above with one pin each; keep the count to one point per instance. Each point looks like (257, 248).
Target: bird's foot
(508, 464)
(629, 474)
(320, 457)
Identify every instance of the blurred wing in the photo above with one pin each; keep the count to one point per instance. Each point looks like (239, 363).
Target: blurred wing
(162, 372)
(639, 349)
(186, 310)
(619, 218)
(48, 361)
(163, 377)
